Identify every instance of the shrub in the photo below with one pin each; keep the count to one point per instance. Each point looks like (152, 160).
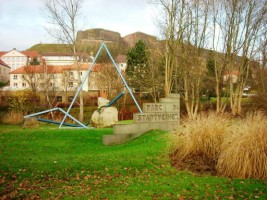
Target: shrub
(259, 102)
(23, 101)
(244, 150)
(202, 136)
(12, 118)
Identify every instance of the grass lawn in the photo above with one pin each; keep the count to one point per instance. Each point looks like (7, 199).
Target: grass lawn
(73, 164)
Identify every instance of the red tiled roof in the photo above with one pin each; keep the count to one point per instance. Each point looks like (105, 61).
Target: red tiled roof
(63, 54)
(52, 69)
(3, 63)
(121, 59)
(56, 54)
(235, 72)
(30, 54)
(2, 53)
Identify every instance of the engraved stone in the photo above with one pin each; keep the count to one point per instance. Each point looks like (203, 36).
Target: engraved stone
(155, 117)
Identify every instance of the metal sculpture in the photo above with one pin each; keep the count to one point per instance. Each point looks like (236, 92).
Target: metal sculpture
(66, 113)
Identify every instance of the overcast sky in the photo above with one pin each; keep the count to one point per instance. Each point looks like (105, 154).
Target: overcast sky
(22, 21)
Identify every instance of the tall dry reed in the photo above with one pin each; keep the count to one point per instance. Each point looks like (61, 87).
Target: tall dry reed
(244, 150)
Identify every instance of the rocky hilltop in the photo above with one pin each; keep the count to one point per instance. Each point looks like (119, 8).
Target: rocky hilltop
(98, 35)
(131, 39)
(89, 41)
(93, 36)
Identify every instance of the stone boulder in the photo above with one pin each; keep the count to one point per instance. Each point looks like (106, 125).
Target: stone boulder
(102, 102)
(105, 117)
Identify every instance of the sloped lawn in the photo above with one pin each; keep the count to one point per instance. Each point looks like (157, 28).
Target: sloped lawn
(49, 163)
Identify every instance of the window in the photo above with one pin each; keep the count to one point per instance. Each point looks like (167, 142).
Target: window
(71, 73)
(81, 73)
(15, 84)
(23, 84)
(13, 59)
(15, 77)
(71, 84)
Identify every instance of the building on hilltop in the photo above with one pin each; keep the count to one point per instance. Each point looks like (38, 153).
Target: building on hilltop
(58, 58)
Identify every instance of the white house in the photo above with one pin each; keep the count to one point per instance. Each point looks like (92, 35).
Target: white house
(49, 77)
(58, 58)
(61, 79)
(16, 59)
(4, 72)
(121, 62)
(228, 75)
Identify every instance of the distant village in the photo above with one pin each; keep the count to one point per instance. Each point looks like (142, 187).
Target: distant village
(23, 70)
(17, 65)
(56, 72)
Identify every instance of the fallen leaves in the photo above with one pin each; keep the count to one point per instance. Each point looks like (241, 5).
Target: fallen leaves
(148, 182)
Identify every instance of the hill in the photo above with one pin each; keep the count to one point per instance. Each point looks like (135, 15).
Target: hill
(131, 39)
(89, 40)
(40, 48)
(98, 35)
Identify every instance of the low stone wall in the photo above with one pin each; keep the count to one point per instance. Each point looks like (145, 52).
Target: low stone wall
(164, 115)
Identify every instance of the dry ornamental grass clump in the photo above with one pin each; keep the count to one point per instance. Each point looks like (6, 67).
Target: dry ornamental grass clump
(12, 118)
(244, 150)
(202, 136)
(237, 147)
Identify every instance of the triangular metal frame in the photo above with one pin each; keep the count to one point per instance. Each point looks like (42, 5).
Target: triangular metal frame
(103, 45)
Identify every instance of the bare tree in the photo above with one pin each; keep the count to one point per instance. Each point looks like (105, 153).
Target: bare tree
(218, 67)
(238, 31)
(193, 62)
(31, 78)
(264, 71)
(40, 79)
(63, 15)
(108, 79)
(241, 23)
(155, 73)
(263, 60)
(66, 79)
(184, 28)
(167, 23)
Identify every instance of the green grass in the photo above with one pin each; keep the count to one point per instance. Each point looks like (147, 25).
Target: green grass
(73, 164)
(40, 48)
(225, 99)
(126, 122)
